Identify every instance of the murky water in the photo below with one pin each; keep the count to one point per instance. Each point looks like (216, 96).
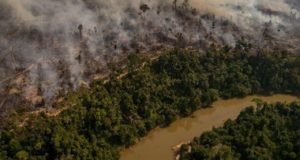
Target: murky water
(158, 144)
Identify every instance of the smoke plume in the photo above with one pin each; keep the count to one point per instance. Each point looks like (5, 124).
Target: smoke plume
(50, 46)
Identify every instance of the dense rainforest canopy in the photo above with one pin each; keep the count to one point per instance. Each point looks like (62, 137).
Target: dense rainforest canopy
(271, 132)
(111, 115)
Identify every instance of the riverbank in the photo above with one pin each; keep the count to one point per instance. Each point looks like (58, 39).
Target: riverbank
(158, 143)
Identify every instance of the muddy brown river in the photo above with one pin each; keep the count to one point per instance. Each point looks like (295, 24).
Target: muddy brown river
(158, 144)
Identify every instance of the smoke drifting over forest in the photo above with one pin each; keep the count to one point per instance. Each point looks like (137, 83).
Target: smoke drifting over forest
(47, 46)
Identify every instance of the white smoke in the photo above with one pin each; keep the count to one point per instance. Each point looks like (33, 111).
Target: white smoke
(41, 37)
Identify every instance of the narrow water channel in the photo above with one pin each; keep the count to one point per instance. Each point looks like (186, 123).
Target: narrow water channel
(158, 144)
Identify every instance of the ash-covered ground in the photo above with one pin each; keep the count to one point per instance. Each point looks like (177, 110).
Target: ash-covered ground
(48, 47)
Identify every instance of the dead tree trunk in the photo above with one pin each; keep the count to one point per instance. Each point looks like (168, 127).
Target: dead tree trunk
(80, 27)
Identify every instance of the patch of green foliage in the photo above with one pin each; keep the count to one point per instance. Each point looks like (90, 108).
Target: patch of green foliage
(110, 116)
(271, 132)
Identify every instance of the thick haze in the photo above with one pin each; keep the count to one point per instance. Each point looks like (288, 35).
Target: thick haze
(42, 51)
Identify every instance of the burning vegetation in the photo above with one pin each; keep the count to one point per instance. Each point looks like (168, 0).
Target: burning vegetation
(50, 47)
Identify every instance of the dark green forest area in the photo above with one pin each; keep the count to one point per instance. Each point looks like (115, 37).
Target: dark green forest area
(110, 116)
(271, 132)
